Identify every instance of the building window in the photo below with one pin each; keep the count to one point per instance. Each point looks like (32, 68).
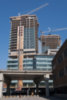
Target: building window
(60, 59)
(54, 77)
(65, 52)
(54, 66)
(61, 73)
(66, 70)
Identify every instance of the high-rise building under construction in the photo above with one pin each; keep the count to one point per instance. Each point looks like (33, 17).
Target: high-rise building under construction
(23, 40)
(50, 42)
(24, 36)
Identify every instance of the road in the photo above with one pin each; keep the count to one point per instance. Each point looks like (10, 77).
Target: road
(31, 98)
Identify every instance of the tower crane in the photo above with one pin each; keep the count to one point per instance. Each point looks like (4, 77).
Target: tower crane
(55, 30)
(36, 9)
(51, 31)
(32, 11)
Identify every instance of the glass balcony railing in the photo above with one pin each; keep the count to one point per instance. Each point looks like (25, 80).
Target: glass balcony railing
(12, 59)
(12, 63)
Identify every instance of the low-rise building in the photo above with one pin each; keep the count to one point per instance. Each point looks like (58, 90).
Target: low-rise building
(60, 69)
(32, 62)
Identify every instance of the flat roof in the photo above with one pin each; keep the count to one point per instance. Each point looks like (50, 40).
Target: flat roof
(22, 16)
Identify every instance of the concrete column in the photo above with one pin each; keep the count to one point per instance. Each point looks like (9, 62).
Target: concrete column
(8, 88)
(47, 87)
(1, 84)
(37, 84)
